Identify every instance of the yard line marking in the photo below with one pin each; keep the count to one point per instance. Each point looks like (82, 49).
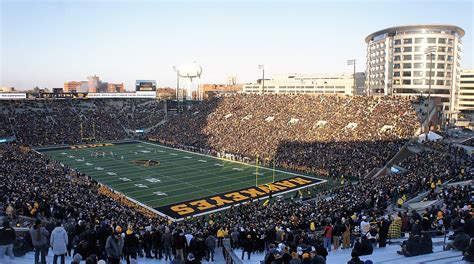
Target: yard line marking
(89, 164)
(79, 160)
(139, 185)
(71, 156)
(125, 179)
(237, 169)
(187, 157)
(173, 154)
(258, 173)
(160, 193)
(99, 168)
(161, 151)
(202, 160)
(63, 153)
(153, 180)
(219, 165)
(111, 173)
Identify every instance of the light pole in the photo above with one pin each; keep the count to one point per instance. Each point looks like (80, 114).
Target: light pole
(353, 62)
(176, 69)
(262, 67)
(429, 51)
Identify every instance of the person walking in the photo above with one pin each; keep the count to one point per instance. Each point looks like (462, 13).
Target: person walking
(114, 246)
(7, 238)
(58, 242)
(211, 246)
(247, 246)
(327, 236)
(39, 239)
(220, 236)
(167, 241)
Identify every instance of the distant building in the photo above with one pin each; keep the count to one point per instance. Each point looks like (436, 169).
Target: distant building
(72, 87)
(209, 90)
(93, 85)
(5, 89)
(308, 84)
(115, 88)
(466, 92)
(166, 93)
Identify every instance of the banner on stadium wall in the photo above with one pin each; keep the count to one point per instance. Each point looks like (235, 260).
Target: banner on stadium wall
(122, 95)
(12, 96)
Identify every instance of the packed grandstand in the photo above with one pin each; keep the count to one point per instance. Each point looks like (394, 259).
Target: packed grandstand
(366, 148)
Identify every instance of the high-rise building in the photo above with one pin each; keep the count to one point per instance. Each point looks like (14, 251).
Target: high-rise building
(398, 62)
(466, 92)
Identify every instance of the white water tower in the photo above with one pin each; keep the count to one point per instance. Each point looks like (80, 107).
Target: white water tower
(190, 71)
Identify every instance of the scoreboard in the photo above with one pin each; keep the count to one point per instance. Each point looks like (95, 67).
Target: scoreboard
(145, 85)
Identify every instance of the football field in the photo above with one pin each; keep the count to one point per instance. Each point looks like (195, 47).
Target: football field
(173, 182)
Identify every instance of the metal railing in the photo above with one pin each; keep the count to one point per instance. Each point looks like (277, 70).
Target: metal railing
(229, 255)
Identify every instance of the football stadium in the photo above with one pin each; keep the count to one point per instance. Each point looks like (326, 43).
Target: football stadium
(297, 132)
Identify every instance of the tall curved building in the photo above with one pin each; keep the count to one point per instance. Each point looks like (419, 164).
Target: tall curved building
(397, 63)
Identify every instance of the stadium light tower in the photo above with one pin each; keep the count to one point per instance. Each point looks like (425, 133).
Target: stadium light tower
(262, 67)
(353, 62)
(429, 51)
(175, 68)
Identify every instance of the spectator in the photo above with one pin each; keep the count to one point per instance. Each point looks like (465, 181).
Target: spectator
(460, 241)
(247, 246)
(7, 238)
(114, 246)
(355, 258)
(39, 239)
(59, 241)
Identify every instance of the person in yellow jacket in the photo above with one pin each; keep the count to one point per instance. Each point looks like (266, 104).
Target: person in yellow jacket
(220, 236)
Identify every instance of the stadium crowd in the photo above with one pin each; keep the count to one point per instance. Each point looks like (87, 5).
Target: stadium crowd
(103, 225)
(53, 122)
(329, 134)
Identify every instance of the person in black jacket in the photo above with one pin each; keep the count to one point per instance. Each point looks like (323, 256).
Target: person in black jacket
(411, 247)
(131, 245)
(469, 252)
(147, 244)
(247, 246)
(363, 247)
(461, 240)
(426, 244)
(102, 234)
(156, 241)
(355, 258)
(7, 238)
(383, 231)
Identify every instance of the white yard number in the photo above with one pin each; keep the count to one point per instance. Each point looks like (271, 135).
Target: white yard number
(139, 185)
(125, 179)
(153, 180)
(160, 193)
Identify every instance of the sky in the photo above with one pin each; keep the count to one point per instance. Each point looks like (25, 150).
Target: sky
(46, 43)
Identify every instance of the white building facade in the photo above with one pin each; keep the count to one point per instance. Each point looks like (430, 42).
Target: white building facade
(466, 92)
(397, 62)
(306, 84)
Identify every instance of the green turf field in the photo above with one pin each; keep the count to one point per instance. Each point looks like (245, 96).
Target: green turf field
(174, 176)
